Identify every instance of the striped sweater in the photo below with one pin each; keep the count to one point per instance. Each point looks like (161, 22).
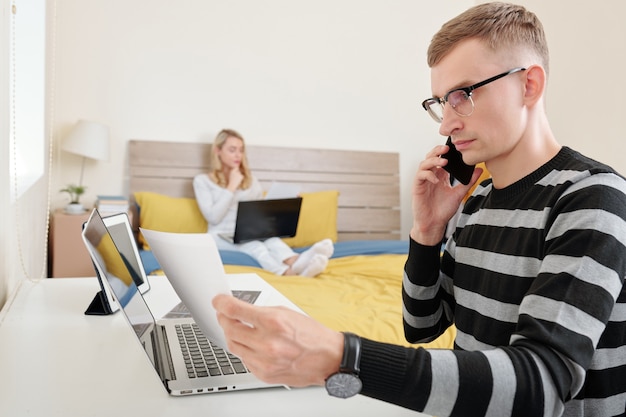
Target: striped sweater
(533, 279)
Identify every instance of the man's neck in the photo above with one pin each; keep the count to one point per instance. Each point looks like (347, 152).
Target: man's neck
(533, 151)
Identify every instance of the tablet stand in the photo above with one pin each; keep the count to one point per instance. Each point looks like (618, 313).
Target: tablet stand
(98, 306)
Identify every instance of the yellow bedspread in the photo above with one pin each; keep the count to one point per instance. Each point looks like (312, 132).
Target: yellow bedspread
(361, 294)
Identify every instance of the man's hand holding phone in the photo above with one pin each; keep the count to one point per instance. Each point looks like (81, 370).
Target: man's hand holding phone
(436, 201)
(455, 166)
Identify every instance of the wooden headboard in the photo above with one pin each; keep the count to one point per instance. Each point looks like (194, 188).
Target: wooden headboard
(368, 182)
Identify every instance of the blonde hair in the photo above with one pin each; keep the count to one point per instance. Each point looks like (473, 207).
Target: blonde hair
(501, 26)
(217, 173)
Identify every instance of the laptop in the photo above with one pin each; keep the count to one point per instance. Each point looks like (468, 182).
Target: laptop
(263, 219)
(184, 359)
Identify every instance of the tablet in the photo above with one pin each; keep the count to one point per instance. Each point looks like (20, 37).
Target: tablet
(122, 234)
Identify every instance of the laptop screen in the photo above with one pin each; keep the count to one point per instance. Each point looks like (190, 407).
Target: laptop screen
(263, 219)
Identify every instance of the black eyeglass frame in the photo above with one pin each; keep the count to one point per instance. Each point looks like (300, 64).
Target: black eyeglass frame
(468, 92)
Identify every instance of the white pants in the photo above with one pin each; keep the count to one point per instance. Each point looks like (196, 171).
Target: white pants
(269, 253)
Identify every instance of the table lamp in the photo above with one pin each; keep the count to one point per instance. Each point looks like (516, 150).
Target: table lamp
(89, 140)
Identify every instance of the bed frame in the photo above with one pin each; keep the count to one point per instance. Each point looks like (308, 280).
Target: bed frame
(367, 181)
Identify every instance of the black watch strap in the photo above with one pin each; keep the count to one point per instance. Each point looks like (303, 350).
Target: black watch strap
(350, 362)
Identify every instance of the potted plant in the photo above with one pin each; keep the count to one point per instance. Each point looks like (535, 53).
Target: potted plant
(75, 191)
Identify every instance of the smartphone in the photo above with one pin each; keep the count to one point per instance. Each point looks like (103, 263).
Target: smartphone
(456, 167)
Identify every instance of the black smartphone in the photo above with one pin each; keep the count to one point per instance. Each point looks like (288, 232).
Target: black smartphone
(456, 167)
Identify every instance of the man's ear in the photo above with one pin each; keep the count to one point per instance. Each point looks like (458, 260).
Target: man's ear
(535, 85)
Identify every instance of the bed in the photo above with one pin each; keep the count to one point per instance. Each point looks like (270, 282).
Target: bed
(352, 197)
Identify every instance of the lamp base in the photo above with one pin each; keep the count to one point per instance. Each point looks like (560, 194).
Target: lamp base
(74, 208)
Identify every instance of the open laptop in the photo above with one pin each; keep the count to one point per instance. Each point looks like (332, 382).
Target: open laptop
(185, 361)
(263, 219)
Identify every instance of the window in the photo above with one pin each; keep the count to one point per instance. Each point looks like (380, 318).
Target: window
(27, 62)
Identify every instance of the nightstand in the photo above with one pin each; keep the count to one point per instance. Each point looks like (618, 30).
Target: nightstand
(67, 252)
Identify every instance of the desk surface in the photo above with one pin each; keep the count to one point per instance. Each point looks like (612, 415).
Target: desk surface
(56, 361)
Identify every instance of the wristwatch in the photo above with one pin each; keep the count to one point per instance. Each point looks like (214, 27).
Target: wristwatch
(346, 382)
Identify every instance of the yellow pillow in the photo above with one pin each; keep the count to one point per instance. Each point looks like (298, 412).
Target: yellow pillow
(168, 214)
(482, 177)
(112, 261)
(318, 219)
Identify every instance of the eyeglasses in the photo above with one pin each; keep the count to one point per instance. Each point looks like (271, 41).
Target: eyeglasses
(460, 99)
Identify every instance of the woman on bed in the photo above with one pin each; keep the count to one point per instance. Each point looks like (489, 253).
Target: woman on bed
(218, 194)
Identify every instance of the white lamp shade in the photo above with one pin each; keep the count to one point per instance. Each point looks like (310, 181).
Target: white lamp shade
(88, 139)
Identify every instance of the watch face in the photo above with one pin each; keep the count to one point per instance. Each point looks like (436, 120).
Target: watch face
(343, 385)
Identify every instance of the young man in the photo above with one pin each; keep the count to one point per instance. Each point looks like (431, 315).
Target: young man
(533, 276)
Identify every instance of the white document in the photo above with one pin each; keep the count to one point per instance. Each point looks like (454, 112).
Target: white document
(279, 190)
(193, 266)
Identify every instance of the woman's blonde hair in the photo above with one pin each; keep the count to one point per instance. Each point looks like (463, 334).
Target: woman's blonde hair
(217, 173)
(501, 26)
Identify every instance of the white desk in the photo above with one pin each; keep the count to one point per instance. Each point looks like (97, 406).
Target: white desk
(55, 361)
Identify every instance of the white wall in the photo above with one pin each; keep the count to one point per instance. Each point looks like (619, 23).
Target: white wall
(346, 74)
(586, 93)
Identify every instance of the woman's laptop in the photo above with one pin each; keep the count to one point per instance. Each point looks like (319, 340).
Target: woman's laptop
(263, 219)
(186, 362)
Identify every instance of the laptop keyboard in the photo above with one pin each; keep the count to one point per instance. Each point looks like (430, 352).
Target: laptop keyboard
(202, 357)
(180, 310)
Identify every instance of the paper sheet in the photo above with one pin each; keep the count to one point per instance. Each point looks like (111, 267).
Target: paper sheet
(279, 190)
(193, 266)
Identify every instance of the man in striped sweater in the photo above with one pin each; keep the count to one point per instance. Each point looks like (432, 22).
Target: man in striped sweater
(532, 277)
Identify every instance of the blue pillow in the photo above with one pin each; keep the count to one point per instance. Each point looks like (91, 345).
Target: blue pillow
(347, 248)
(367, 247)
(149, 262)
(233, 257)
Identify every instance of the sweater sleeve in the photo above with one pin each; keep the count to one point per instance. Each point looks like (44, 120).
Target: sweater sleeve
(212, 199)
(426, 294)
(560, 350)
